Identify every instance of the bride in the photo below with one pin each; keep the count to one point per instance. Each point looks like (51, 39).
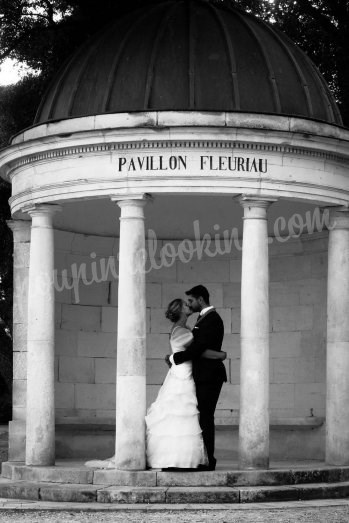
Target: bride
(173, 433)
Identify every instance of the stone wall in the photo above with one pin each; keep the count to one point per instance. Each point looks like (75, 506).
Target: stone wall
(86, 322)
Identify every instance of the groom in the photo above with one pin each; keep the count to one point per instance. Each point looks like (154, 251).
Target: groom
(209, 374)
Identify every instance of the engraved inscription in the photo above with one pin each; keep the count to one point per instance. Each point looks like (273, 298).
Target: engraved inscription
(183, 163)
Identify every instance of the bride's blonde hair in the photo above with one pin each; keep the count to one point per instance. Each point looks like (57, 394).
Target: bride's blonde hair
(174, 310)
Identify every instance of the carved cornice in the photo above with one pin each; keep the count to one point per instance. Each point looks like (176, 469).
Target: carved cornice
(107, 188)
(98, 148)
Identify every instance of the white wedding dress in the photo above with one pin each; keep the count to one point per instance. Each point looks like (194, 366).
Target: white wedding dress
(174, 436)
(173, 433)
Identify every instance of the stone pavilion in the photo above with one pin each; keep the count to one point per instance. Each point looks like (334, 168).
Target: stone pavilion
(188, 142)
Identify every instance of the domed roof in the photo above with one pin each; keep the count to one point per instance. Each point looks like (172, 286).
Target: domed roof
(195, 55)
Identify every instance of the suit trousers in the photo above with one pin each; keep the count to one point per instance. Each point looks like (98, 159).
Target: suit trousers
(207, 394)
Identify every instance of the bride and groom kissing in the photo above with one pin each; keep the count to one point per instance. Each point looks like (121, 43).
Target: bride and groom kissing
(180, 430)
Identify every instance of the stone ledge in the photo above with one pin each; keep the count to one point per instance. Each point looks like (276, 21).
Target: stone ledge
(170, 495)
(54, 474)
(68, 493)
(193, 479)
(275, 423)
(108, 424)
(123, 477)
(132, 495)
(202, 495)
(19, 489)
(79, 474)
(180, 118)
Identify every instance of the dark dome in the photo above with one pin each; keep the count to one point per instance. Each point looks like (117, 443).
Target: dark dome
(194, 55)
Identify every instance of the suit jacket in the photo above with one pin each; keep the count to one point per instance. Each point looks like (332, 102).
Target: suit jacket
(208, 334)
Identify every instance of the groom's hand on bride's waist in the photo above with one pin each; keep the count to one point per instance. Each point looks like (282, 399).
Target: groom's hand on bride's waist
(167, 359)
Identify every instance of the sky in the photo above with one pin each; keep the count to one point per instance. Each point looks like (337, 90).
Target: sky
(11, 72)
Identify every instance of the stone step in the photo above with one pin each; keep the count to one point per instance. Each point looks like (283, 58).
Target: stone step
(19, 471)
(78, 474)
(80, 493)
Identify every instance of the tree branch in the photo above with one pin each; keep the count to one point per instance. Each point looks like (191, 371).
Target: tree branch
(50, 10)
(325, 20)
(6, 53)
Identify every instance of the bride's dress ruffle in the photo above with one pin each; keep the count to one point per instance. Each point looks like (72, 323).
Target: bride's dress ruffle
(174, 436)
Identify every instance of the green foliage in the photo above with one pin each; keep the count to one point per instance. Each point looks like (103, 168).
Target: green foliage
(42, 33)
(18, 104)
(321, 29)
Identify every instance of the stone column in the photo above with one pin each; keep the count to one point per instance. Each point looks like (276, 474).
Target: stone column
(254, 366)
(131, 339)
(40, 430)
(337, 400)
(21, 241)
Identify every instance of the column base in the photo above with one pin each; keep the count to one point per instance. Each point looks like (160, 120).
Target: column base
(258, 464)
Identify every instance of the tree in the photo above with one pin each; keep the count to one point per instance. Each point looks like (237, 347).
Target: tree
(42, 33)
(18, 104)
(321, 29)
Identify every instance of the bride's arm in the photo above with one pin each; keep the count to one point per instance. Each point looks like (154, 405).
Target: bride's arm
(188, 336)
(214, 354)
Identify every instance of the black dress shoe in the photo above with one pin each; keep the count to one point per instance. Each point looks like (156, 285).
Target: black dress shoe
(210, 466)
(203, 468)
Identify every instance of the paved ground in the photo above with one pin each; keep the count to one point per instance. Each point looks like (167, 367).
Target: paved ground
(309, 512)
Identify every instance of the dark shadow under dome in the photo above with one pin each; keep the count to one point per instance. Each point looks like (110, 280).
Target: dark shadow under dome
(189, 55)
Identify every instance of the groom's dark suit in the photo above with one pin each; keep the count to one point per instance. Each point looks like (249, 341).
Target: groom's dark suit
(208, 374)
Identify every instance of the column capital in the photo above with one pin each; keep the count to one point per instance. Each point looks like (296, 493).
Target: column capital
(132, 205)
(338, 218)
(45, 209)
(250, 201)
(137, 200)
(255, 208)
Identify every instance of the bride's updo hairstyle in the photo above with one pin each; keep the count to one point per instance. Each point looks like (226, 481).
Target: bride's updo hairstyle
(174, 310)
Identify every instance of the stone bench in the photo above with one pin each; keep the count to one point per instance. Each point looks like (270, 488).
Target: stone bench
(89, 438)
(106, 424)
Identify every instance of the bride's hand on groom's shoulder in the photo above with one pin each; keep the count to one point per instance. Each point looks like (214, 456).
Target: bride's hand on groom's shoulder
(167, 359)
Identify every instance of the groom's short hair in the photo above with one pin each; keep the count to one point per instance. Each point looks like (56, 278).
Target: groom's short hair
(199, 290)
